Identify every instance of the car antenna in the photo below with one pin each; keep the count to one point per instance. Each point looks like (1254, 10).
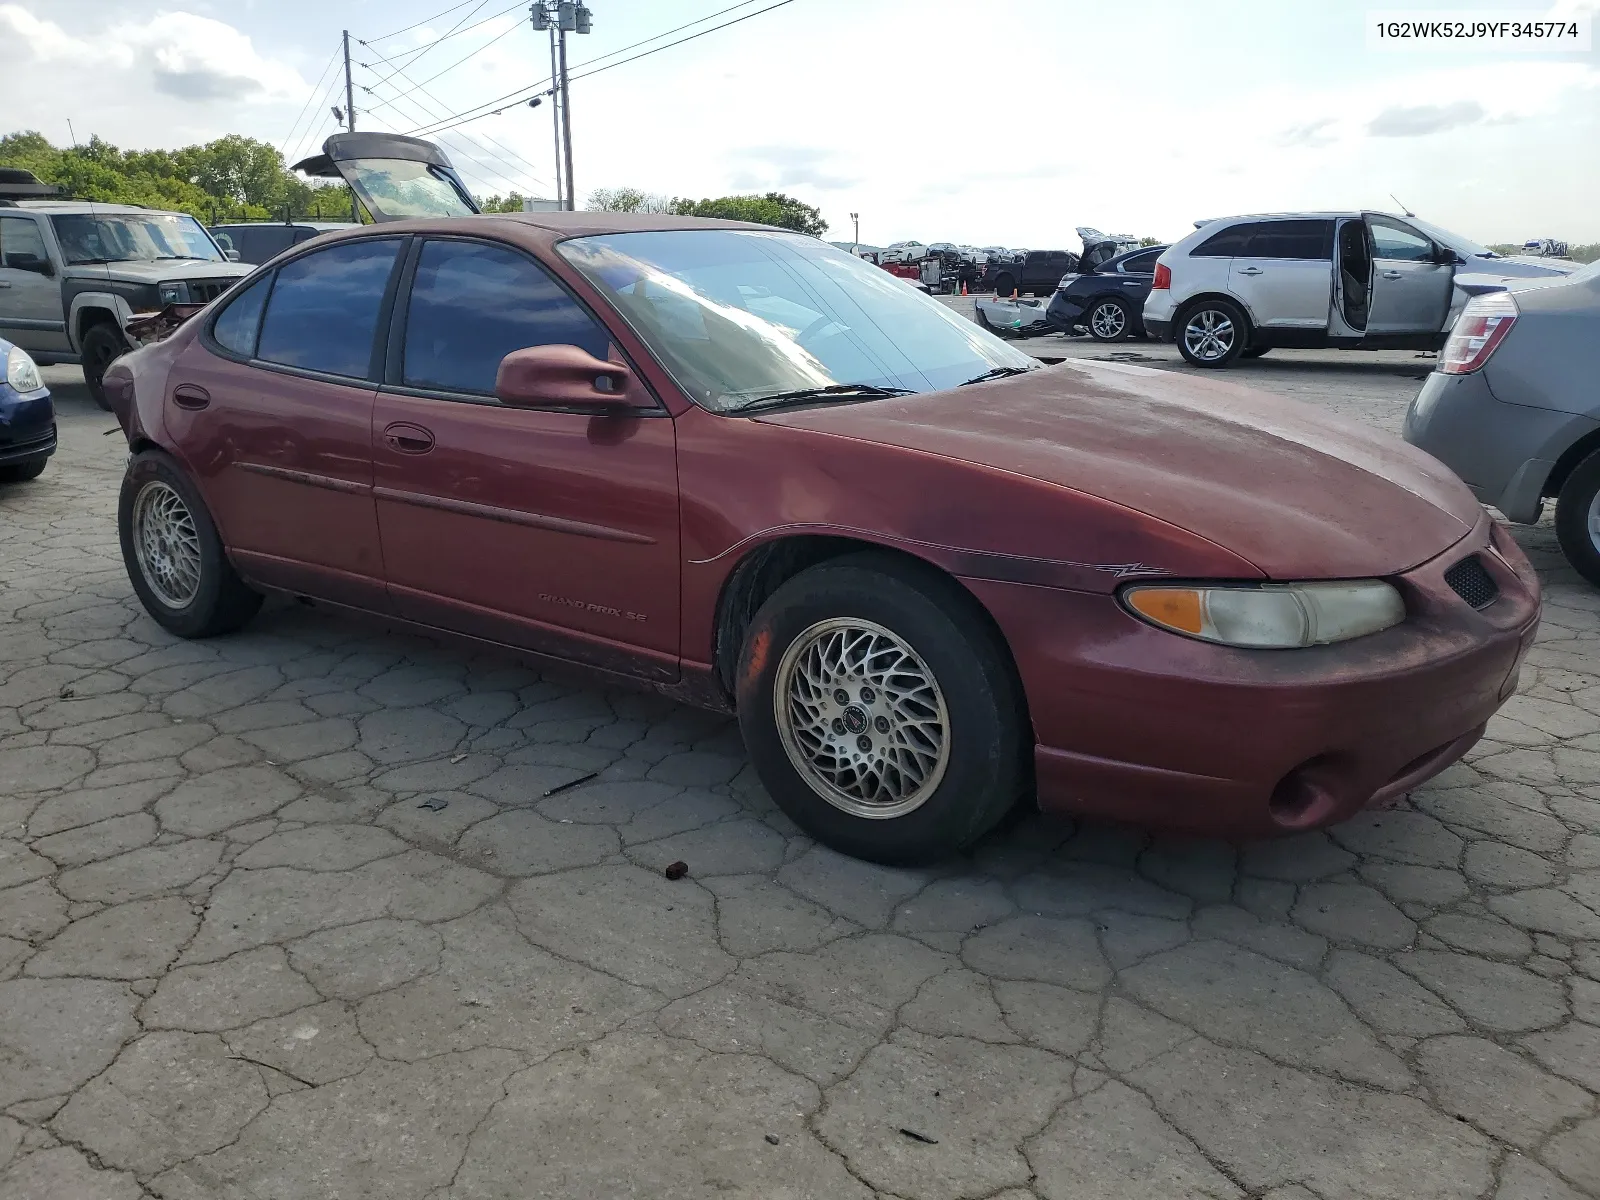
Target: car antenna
(1403, 208)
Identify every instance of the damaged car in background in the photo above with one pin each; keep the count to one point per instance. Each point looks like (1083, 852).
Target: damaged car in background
(747, 470)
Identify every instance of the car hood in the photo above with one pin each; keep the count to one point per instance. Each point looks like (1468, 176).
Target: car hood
(147, 271)
(1298, 494)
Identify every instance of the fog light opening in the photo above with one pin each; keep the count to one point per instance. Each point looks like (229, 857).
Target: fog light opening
(1305, 796)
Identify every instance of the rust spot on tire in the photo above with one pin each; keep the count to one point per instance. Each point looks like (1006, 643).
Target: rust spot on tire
(759, 649)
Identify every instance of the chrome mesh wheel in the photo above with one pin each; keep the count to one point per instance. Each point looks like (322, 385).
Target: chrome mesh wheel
(862, 718)
(1108, 321)
(1592, 521)
(1209, 334)
(167, 545)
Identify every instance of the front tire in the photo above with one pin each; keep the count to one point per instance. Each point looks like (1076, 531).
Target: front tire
(173, 555)
(1212, 333)
(880, 712)
(1109, 320)
(22, 472)
(103, 344)
(1578, 518)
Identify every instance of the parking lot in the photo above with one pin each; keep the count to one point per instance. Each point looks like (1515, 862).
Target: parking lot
(321, 910)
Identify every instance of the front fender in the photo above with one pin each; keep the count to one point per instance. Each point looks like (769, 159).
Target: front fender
(115, 304)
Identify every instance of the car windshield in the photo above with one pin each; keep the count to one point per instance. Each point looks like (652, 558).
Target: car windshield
(737, 315)
(1465, 247)
(126, 237)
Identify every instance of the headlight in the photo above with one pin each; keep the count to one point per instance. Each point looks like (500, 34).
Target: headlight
(21, 371)
(1271, 616)
(174, 293)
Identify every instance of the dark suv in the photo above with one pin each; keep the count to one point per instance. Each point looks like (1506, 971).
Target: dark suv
(258, 242)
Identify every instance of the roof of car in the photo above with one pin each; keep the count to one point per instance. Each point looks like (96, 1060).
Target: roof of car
(556, 226)
(69, 207)
(283, 225)
(1298, 216)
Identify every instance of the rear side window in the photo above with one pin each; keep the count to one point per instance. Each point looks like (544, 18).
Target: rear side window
(324, 309)
(238, 324)
(1226, 243)
(472, 304)
(1141, 264)
(1291, 239)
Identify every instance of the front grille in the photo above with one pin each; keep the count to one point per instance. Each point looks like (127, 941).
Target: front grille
(203, 291)
(1472, 583)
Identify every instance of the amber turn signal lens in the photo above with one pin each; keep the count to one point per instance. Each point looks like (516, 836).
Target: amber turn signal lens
(1176, 608)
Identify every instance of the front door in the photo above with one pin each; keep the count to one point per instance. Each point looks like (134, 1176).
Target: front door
(549, 529)
(1410, 287)
(1284, 273)
(274, 418)
(31, 312)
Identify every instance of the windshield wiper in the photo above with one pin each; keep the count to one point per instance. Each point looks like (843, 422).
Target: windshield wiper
(87, 262)
(998, 373)
(867, 391)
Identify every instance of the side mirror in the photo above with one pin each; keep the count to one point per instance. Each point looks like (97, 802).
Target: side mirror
(1446, 256)
(567, 377)
(30, 262)
(231, 255)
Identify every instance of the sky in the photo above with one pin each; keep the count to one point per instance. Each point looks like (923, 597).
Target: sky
(986, 122)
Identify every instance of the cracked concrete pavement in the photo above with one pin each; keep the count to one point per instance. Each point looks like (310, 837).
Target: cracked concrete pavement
(288, 914)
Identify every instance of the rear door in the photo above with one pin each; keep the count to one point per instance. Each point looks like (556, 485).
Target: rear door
(1411, 288)
(31, 313)
(1284, 273)
(272, 411)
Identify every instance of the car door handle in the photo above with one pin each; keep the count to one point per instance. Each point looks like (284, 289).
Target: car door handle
(408, 438)
(1391, 274)
(188, 395)
(1250, 270)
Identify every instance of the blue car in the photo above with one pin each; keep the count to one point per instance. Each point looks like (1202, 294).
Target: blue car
(27, 418)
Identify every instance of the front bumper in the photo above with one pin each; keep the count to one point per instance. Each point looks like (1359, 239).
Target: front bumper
(27, 426)
(1137, 724)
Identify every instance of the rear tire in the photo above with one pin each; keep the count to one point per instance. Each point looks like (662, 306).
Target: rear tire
(1109, 320)
(173, 554)
(1212, 333)
(22, 472)
(897, 735)
(1004, 284)
(1578, 518)
(103, 344)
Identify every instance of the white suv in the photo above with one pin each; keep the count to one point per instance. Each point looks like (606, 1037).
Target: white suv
(1358, 280)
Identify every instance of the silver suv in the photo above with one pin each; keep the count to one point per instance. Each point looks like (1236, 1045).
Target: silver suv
(73, 273)
(1355, 280)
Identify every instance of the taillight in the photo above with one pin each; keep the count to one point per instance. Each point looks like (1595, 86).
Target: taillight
(1163, 280)
(1481, 327)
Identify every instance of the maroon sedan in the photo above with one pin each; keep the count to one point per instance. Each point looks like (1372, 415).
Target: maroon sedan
(745, 469)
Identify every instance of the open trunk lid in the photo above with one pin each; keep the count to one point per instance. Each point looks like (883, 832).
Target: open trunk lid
(394, 176)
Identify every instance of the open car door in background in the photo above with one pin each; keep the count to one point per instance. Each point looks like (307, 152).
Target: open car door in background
(394, 176)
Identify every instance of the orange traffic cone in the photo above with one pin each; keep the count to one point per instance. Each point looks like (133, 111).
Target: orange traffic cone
(963, 287)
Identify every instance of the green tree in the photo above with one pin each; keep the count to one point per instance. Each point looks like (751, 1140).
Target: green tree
(774, 208)
(627, 199)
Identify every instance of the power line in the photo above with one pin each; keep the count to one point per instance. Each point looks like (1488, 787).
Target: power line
(416, 53)
(421, 23)
(680, 41)
(449, 33)
(432, 113)
(312, 95)
(453, 65)
(314, 127)
(476, 112)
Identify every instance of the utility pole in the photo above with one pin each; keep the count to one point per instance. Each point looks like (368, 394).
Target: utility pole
(349, 88)
(855, 219)
(561, 17)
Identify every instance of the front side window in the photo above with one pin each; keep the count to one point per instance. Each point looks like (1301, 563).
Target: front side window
(21, 244)
(238, 324)
(736, 315)
(472, 304)
(126, 237)
(323, 314)
(1291, 239)
(1398, 244)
